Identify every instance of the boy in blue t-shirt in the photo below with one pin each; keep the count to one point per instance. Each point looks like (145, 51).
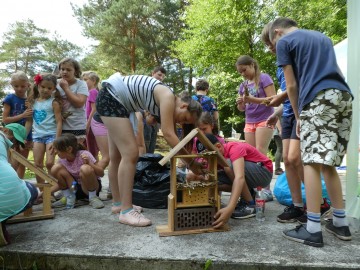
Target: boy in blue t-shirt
(322, 104)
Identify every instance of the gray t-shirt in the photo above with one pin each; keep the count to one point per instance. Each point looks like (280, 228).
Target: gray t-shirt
(76, 120)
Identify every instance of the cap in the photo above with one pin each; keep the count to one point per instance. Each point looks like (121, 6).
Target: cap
(18, 130)
(211, 137)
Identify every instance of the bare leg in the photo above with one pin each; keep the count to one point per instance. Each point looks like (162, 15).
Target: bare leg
(293, 168)
(121, 137)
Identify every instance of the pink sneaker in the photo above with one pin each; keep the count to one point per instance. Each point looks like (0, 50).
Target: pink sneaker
(134, 218)
(117, 209)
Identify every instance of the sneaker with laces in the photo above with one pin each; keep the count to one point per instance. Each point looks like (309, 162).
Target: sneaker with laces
(96, 203)
(134, 218)
(290, 214)
(301, 235)
(325, 208)
(70, 202)
(324, 212)
(343, 232)
(60, 203)
(243, 210)
(117, 209)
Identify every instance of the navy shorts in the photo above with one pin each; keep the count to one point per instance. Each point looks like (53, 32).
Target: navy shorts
(80, 194)
(288, 126)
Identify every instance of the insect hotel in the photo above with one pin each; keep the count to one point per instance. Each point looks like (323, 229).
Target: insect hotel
(193, 204)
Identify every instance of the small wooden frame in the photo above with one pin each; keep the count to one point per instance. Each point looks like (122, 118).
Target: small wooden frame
(30, 214)
(191, 205)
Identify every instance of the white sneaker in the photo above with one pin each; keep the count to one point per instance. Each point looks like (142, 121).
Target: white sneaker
(134, 218)
(117, 209)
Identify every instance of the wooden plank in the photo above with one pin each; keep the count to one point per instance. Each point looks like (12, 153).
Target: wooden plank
(171, 209)
(38, 215)
(40, 172)
(165, 231)
(179, 146)
(205, 141)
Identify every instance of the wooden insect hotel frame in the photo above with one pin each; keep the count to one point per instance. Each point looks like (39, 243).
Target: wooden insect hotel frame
(30, 214)
(193, 204)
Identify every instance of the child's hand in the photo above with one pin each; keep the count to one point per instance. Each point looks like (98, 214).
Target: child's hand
(28, 113)
(240, 99)
(275, 101)
(63, 84)
(221, 217)
(85, 158)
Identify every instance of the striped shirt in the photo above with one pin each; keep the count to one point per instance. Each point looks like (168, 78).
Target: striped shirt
(135, 92)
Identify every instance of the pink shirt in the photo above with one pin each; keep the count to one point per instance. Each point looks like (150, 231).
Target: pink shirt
(73, 167)
(236, 150)
(91, 99)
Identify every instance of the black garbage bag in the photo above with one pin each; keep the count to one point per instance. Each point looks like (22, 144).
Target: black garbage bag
(151, 183)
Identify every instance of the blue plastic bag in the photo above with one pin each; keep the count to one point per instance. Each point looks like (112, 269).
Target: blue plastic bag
(282, 191)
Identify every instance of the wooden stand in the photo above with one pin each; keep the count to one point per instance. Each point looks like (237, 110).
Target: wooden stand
(192, 205)
(30, 214)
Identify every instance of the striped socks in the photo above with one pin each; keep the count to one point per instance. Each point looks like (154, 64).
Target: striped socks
(313, 224)
(339, 218)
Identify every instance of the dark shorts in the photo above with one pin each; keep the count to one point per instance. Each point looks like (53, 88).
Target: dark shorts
(256, 175)
(80, 132)
(108, 106)
(223, 179)
(33, 195)
(288, 126)
(80, 194)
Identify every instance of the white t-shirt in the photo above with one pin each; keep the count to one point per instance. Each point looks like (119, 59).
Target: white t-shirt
(77, 119)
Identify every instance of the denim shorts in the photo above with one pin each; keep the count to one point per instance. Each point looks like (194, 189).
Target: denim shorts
(45, 140)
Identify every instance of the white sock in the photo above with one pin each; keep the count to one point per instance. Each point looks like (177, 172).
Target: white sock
(92, 194)
(300, 205)
(313, 224)
(339, 218)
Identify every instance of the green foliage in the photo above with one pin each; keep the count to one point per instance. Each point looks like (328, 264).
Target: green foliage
(132, 34)
(28, 48)
(208, 264)
(217, 32)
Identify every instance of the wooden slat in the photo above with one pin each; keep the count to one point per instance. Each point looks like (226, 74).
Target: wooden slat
(40, 172)
(178, 147)
(195, 132)
(205, 141)
(164, 230)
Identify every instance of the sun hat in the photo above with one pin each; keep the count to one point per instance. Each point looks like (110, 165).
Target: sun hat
(18, 130)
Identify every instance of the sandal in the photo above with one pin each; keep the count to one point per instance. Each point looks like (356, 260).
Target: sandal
(279, 171)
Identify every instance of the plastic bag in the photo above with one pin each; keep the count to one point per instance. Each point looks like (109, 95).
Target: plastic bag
(282, 191)
(151, 182)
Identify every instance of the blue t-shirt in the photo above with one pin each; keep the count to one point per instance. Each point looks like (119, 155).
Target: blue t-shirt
(312, 57)
(17, 106)
(287, 108)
